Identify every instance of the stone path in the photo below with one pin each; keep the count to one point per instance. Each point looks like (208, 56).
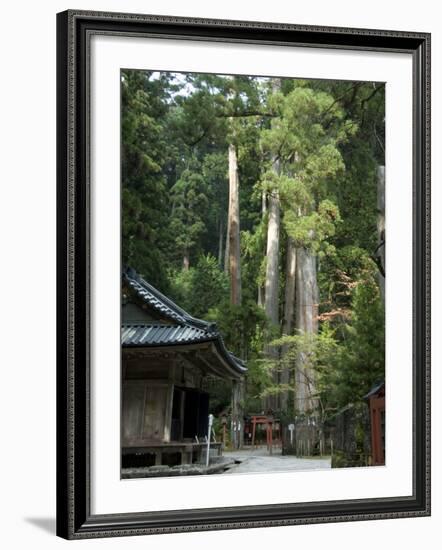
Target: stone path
(258, 460)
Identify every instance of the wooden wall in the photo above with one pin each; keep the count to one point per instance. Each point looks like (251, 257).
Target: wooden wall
(147, 409)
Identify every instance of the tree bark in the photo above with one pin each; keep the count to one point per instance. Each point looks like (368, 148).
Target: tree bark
(273, 229)
(261, 292)
(271, 299)
(234, 264)
(290, 284)
(272, 253)
(233, 268)
(307, 302)
(289, 311)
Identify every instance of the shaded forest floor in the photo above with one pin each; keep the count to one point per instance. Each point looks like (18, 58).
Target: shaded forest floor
(259, 460)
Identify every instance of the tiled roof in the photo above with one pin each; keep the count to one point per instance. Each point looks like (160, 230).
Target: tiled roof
(375, 389)
(184, 329)
(149, 335)
(161, 303)
(146, 294)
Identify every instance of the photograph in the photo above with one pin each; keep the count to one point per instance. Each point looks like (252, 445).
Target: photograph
(252, 274)
(230, 351)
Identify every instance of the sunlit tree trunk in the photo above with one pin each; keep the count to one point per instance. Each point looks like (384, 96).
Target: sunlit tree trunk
(234, 236)
(289, 311)
(261, 291)
(307, 301)
(272, 254)
(271, 299)
(233, 259)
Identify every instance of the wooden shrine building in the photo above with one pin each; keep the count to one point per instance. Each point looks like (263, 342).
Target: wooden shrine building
(167, 355)
(376, 404)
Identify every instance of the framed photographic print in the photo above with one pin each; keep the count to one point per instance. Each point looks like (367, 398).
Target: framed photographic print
(243, 274)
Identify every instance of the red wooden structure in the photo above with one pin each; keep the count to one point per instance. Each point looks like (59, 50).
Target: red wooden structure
(271, 424)
(376, 403)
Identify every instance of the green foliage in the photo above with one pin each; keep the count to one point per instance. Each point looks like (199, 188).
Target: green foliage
(215, 173)
(362, 353)
(326, 140)
(307, 127)
(242, 326)
(304, 138)
(344, 369)
(339, 273)
(190, 200)
(144, 196)
(181, 288)
(200, 288)
(253, 259)
(313, 230)
(318, 353)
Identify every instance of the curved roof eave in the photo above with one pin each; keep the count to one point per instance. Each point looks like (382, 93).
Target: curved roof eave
(167, 307)
(164, 304)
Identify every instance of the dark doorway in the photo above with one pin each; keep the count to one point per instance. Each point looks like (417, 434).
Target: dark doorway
(196, 412)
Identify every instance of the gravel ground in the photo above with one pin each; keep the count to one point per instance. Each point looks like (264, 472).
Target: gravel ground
(258, 460)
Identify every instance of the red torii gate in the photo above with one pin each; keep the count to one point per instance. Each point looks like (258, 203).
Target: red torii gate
(269, 421)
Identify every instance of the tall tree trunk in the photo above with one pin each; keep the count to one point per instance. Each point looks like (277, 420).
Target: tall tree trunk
(261, 292)
(272, 253)
(289, 311)
(234, 236)
(271, 299)
(307, 302)
(233, 263)
(380, 252)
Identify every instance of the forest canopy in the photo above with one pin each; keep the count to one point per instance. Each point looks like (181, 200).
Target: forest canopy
(254, 202)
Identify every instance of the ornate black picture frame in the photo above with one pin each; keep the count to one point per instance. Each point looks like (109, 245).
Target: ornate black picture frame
(74, 518)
